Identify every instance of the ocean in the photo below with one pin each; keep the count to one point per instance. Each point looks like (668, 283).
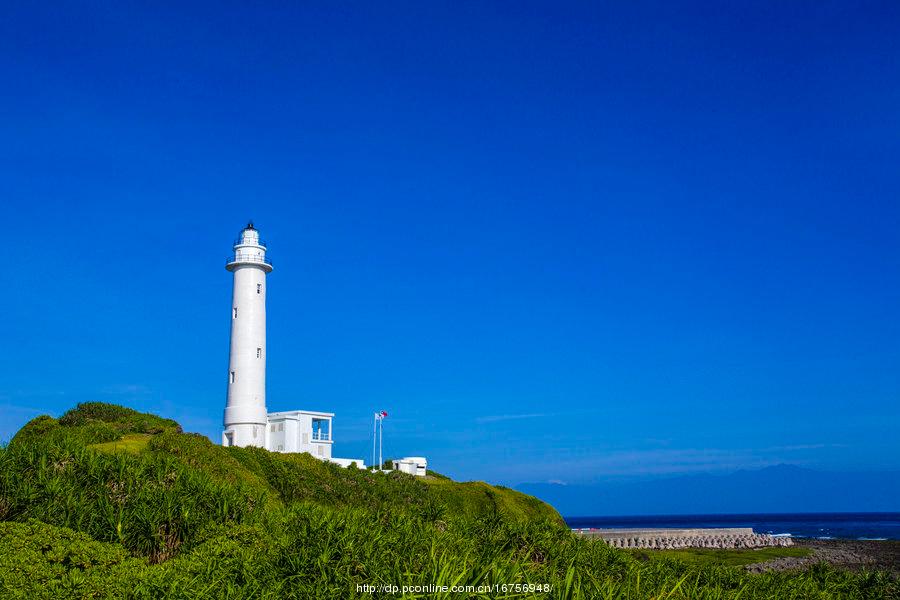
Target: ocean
(855, 526)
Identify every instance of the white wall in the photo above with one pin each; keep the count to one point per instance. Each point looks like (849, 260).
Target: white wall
(277, 436)
(291, 435)
(413, 465)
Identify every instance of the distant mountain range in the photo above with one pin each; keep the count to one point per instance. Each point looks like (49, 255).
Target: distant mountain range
(778, 489)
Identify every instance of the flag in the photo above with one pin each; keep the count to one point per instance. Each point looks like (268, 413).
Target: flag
(383, 414)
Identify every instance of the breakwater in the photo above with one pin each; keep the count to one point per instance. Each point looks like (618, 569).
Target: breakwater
(672, 539)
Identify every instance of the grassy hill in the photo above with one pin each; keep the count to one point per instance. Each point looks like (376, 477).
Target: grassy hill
(106, 502)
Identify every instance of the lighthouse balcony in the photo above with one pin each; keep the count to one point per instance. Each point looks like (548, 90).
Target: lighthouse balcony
(240, 258)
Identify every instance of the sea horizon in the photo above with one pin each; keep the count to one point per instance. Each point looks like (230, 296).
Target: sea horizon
(821, 525)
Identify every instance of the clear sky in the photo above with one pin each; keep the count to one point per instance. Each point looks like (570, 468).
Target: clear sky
(554, 241)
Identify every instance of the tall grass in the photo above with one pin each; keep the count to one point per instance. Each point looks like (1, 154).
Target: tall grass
(186, 519)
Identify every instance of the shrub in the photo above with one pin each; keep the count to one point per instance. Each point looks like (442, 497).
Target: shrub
(42, 561)
(180, 517)
(124, 420)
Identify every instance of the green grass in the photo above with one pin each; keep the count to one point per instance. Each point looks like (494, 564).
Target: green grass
(132, 442)
(727, 558)
(109, 503)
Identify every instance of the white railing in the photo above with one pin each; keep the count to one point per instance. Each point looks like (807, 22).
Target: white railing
(321, 436)
(247, 257)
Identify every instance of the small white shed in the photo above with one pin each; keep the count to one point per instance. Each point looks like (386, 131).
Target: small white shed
(413, 465)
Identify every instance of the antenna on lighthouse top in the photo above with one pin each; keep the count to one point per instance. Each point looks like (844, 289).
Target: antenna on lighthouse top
(250, 225)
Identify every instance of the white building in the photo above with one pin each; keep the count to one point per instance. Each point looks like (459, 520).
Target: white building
(301, 431)
(412, 465)
(247, 423)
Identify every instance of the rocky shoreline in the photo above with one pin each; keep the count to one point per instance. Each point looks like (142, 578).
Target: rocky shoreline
(855, 555)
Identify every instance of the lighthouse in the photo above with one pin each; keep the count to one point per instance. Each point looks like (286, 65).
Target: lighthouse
(245, 406)
(247, 422)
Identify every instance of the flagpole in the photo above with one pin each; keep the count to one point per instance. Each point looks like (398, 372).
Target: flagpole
(374, 437)
(380, 442)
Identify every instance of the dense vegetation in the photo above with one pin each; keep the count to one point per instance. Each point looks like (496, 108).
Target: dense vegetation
(715, 556)
(109, 503)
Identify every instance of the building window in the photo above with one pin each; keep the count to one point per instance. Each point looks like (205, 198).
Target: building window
(231, 377)
(281, 427)
(305, 437)
(321, 429)
(273, 426)
(321, 450)
(259, 353)
(259, 288)
(234, 313)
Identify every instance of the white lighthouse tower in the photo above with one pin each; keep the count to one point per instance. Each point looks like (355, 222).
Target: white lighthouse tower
(247, 422)
(245, 408)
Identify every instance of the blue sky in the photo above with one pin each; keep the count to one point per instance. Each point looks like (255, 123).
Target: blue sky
(576, 242)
